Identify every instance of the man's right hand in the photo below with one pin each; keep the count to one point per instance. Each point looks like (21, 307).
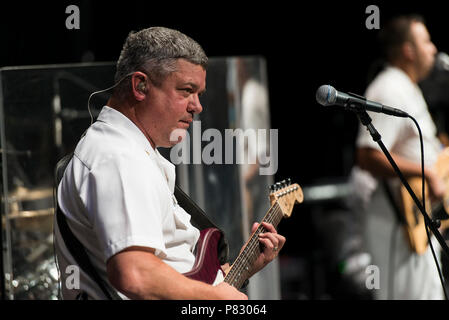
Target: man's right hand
(228, 292)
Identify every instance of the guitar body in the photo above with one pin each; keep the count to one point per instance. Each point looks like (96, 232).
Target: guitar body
(207, 264)
(415, 225)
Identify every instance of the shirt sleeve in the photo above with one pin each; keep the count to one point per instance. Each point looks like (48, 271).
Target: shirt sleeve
(127, 202)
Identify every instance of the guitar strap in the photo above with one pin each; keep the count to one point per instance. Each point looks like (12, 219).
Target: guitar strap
(201, 221)
(198, 218)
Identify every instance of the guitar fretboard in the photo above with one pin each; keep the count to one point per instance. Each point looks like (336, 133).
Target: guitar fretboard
(241, 267)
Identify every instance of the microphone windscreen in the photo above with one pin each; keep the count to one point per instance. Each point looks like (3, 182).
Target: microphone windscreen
(442, 61)
(326, 95)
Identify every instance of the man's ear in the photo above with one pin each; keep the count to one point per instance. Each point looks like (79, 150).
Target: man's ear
(408, 50)
(139, 85)
(142, 87)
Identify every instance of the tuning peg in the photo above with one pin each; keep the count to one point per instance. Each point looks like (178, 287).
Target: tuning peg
(272, 188)
(278, 186)
(289, 181)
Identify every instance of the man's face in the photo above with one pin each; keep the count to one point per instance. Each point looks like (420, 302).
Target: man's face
(424, 48)
(169, 108)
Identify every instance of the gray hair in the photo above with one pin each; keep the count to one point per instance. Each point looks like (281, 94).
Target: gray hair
(155, 51)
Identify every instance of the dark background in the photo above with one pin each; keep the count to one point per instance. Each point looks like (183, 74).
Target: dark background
(305, 44)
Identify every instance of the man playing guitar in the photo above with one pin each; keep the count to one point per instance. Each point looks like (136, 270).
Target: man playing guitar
(117, 191)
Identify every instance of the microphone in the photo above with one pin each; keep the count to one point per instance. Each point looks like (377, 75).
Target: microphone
(326, 95)
(442, 61)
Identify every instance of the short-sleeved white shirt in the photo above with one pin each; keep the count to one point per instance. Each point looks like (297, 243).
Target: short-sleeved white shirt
(117, 192)
(393, 87)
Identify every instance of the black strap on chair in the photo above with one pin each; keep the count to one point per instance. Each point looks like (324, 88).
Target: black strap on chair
(199, 219)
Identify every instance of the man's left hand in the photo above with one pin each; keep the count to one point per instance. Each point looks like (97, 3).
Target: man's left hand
(272, 243)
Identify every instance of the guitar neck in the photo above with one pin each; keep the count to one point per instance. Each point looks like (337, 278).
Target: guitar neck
(240, 269)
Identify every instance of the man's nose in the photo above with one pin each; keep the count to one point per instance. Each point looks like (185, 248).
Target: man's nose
(434, 49)
(195, 104)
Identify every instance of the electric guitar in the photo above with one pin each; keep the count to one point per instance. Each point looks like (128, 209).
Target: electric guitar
(414, 220)
(207, 268)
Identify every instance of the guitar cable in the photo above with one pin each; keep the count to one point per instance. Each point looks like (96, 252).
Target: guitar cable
(424, 206)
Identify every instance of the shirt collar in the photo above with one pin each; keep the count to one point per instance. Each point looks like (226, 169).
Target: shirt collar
(124, 124)
(128, 128)
(401, 73)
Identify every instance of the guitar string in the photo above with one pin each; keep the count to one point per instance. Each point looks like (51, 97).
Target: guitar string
(238, 268)
(253, 241)
(248, 255)
(242, 260)
(267, 218)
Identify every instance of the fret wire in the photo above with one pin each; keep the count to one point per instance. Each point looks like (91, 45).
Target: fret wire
(252, 241)
(271, 216)
(251, 244)
(241, 261)
(237, 269)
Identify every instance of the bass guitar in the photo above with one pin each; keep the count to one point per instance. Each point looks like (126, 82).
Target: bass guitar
(283, 196)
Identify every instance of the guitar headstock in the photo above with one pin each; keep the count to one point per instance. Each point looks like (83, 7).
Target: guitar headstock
(286, 195)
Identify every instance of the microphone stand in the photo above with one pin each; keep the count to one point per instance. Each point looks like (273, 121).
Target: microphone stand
(365, 119)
